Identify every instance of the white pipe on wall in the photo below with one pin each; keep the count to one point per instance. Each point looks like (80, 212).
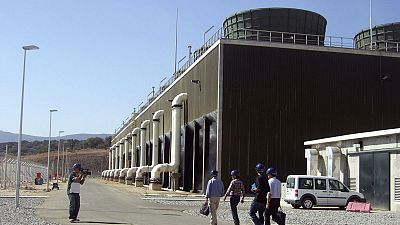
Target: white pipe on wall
(130, 176)
(177, 104)
(143, 129)
(143, 169)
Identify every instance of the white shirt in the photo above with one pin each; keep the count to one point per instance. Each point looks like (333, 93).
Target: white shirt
(275, 187)
(75, 188)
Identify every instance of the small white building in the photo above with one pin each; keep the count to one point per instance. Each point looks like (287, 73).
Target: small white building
(367, 162)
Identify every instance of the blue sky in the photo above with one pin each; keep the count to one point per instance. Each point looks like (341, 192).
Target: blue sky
(98, 59)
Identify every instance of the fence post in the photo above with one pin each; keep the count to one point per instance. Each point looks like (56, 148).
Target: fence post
(318, 39)
(282, 38)
(306, 39)
(270, 36)
(294, 39)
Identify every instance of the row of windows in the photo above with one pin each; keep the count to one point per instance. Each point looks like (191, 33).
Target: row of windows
(320, 184)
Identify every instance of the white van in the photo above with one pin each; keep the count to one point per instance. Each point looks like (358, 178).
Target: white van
(309, 191)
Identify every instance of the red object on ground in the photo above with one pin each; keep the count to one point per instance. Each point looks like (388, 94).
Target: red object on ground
(359, 207)
(38, 175)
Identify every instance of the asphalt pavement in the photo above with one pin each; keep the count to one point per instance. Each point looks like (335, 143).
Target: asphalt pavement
(104, 204)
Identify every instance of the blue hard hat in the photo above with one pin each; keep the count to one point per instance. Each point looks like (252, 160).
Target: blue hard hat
(260, 167)
(214, 173)
(271, 171)
(235, 173)
(76, 166)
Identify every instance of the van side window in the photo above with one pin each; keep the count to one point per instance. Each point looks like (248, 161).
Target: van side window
(320, 184)
(335, 185)
(306, 183)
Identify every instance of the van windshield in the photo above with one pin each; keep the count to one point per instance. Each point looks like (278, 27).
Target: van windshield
(290, 183)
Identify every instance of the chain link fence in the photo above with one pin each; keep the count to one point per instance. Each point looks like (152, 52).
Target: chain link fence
(29, 171)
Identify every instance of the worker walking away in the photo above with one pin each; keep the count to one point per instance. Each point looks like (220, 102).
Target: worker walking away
(75, 180)
(236, 193)
(260, 188)
(214, 192)
(273, 198)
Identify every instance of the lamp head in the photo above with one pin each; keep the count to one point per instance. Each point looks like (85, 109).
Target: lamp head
(53, 110)
(30, 47)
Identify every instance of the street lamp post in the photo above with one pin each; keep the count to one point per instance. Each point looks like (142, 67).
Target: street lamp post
(48, 152)
(58, 150)
(18, 178)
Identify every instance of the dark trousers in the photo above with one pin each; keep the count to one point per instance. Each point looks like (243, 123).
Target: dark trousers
(74, 205)
(272, 210)
(254, 208)
(234, 200)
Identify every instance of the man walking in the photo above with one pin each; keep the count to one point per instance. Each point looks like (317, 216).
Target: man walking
(260, 188)
(236, 191)
(75, 180)
(214, 191)
(273, 197)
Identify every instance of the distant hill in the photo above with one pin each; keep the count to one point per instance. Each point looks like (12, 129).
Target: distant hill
(12, 137)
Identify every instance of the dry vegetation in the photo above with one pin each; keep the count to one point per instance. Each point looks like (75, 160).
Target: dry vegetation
(93, 159)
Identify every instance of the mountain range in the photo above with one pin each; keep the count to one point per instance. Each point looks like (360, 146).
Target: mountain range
(12, 137)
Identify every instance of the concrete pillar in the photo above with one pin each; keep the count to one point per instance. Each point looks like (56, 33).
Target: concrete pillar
(126, 146)
(312, 161)
(334, 161)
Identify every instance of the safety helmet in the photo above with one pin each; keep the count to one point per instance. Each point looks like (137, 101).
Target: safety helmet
(214, 173)
(271, 171)
(76, 166)
(260, 167)
(235, 173)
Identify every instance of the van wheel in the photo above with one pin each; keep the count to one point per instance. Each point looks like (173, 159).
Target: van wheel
(307, 203)
(353, 199)
(296, 206)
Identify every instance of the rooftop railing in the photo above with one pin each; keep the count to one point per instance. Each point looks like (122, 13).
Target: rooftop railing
(262, 36)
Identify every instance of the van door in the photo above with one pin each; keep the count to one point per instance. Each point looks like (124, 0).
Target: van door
(338, 193)
(321, 191)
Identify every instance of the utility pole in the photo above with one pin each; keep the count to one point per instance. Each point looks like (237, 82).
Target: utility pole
(370, 22)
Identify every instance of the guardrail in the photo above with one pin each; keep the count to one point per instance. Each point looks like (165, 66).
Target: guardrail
(263, 36)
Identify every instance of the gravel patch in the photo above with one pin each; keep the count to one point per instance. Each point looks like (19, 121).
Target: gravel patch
(316, 216)
(25, 214)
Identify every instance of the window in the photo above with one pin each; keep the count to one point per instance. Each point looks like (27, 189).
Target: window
(336, 186)
(306, 183)
(290, 183)
(320, 184)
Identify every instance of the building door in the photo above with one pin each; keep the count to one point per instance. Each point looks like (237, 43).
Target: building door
(374, 170)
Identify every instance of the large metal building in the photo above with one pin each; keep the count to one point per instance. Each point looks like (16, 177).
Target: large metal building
(248, 101)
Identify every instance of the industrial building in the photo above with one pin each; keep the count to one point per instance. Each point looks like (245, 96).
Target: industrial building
(255, 95)
(367, 162)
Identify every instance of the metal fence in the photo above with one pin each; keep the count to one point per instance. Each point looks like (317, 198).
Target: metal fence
(262, 36)
(28, 172)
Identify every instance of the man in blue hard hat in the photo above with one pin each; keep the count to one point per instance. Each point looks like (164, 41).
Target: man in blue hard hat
(215, 190)
(273, 197)
(75, 180)
(260, 188)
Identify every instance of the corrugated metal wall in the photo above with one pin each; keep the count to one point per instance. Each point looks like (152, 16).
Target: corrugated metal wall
(274, 99)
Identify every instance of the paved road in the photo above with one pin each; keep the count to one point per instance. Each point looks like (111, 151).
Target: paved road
(103, 204)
